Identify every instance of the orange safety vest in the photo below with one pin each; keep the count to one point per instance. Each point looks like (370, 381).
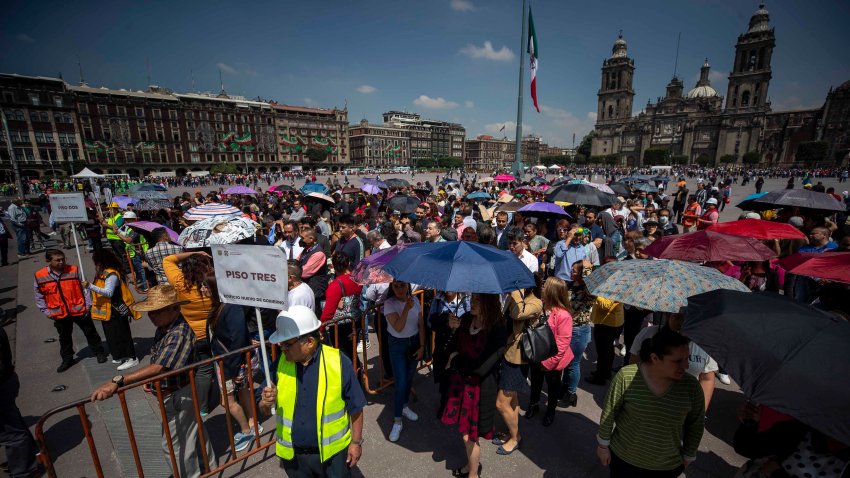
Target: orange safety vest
(692, 211)
(64, 297)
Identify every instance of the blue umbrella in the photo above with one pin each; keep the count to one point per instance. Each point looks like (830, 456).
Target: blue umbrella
(314, 188)
(448, 181)
(460, 266)
(748, 201)
(478, 195)
(538, 179)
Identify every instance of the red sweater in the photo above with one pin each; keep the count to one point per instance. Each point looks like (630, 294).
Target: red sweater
(334, 294)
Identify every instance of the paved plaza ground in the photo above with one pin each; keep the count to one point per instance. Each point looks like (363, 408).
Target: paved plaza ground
(426, 448)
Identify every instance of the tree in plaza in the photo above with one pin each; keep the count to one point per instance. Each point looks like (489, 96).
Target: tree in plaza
(448, 162)
(579, 159)
(752, 157)
(426, 163)
(678, 159)
(703, 160)
(550, 159)
(728, 158)
(656, 156)
(584, 147)
(812, 151)
(223, 168)
(316, 155)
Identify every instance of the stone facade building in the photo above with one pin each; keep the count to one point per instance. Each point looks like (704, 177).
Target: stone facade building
(300, 128)
(486, 153)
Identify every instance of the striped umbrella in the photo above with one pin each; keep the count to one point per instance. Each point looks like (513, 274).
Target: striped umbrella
(657, 285)
(204, 211)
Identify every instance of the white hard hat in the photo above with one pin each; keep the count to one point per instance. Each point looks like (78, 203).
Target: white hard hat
(129, 215)
(711, 201)
(295, 322)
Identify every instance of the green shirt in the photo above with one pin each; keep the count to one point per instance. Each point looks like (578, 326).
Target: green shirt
(652, 432)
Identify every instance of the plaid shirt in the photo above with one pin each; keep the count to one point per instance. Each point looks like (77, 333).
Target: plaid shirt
(173, 348)
(156, 254)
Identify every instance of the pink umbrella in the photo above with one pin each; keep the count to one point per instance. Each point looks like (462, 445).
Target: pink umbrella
(504, 178)
(149, 226)
(240, 190)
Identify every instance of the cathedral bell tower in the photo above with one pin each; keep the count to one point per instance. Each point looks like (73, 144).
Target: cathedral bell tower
(616, 93)
(751, 73)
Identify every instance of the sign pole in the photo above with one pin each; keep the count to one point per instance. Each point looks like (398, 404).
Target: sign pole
(265, 357)
(77, 247)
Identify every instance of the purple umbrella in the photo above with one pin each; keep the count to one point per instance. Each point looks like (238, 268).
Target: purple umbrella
(123, 201)
(240, 190)
(543, 209)
(370, 269)
(149, 226)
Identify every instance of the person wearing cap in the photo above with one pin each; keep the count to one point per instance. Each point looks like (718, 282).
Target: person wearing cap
(131, 240)
(172, 349)
(318, 401)
(710, 216)
(111, 225)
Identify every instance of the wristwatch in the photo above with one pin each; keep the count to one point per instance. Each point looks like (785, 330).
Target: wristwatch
(118, 380)
(358, 442)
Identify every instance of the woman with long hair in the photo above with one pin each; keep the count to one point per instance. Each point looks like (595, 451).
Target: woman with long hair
(406, 342)
(556, 303)
(112, 304)
(657, 387)
(227, 331)
(479, 347)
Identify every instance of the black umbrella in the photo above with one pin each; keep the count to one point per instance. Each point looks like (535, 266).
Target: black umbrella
(403, 204)
(283, 187)
(644, 187)
(786, 355)
(798, 198)
(148, 187)
(622, 189)
(580, 194)
(397, 183)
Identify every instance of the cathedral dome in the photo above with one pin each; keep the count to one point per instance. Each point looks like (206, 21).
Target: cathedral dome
(760, 21)
(702, 92)
(620, 49)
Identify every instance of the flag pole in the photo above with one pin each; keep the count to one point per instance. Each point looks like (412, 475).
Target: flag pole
(517, 169)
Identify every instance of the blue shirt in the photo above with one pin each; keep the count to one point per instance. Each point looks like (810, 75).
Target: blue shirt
(565, 257)
(304, 432)
(826, 247)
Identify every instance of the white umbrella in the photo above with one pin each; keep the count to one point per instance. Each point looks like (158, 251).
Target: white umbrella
(208, 210)
(323, 197)
(217, 230)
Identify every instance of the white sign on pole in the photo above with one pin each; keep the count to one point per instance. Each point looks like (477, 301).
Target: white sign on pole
(68, 207)
(251, 275)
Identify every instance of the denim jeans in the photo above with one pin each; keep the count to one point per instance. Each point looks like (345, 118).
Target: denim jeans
(22, 238)
(572, 374)
(403, 369)
(141, 278)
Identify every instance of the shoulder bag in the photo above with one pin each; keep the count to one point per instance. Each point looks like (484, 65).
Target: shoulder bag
(537, 342)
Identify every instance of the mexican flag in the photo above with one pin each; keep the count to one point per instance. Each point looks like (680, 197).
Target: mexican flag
(532, 55)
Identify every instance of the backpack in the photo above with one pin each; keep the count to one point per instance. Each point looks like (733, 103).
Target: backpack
(348, 308)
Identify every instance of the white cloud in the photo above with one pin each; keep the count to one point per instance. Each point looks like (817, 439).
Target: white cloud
(439, 103)
(591, 115)
(227, 68)
(469, 104)
(366, 89)
(462, 5)
(310, 101)
(487, 52)
(24, 38)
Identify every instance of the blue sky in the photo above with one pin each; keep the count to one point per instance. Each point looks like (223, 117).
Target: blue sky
(455, 60)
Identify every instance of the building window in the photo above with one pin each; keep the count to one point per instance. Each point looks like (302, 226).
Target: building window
(83, 108)
(190, 115)
(102, 110)
(140, 112)
(122, 110)
(172, 114)
(58, 102)
(178, 156)
(218, 116)
(205, 115)
(175, 136)
(209, 158)
(157, 113)
(34, 99)
(745, 98)
(195, 158)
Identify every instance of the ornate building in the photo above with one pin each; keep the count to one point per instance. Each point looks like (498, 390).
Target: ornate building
(486, 153)
(698, 125)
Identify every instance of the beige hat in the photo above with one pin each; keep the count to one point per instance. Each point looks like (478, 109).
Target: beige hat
(159, 297)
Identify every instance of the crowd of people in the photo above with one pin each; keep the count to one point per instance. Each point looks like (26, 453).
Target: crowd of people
(653, 414)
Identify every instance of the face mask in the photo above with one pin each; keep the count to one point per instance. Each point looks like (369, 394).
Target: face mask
(663, 220)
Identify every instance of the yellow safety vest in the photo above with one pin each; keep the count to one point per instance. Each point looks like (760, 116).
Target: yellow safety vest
(332, 421)
(110, 234)
(101, 306)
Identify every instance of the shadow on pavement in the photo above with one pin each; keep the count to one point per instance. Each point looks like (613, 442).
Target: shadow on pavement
(722, 413)
(63, 436)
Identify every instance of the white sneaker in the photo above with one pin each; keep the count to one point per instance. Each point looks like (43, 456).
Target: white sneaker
(620, 350)
(116, 361)
(409, 414)
(128, 364)
(360, 347)
(395, 432)
(724, 378)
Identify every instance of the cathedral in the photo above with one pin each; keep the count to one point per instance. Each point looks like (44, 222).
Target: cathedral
(698, 124)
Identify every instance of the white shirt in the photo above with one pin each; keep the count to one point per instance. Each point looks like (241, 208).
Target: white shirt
(296, 249)
(302, 295)
(411, 325)
(698, 360)
(529, 260)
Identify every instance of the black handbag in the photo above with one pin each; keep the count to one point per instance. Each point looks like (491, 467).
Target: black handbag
(537, 342)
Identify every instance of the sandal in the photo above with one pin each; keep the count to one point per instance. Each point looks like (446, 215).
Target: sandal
(500, 439)
(463, 474)
(501, 450)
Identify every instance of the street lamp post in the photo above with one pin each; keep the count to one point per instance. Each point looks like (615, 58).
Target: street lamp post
(19, 185)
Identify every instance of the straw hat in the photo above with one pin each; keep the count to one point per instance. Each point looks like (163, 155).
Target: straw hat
(159, 297)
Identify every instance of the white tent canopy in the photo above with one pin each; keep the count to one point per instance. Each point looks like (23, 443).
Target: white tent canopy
(554, 166)
(87, 173)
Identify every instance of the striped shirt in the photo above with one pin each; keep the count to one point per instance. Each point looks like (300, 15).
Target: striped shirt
(652, 432)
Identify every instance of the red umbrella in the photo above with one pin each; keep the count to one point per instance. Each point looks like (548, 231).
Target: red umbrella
(759, 229)
(834, 266)
(702, 246)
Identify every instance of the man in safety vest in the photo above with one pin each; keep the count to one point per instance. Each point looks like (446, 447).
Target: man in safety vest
(60, 295)
(135, 245)
(319, 406)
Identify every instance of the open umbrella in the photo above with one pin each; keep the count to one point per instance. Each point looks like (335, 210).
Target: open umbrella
(449, 181)
(802, 198)
(403, 204)
(149, 226)
(510, 206)
(485, 179)
(370, 270)
(460, 266)
(636, 178)
(644, 187)
(397, 183)
(281, 188)
(240, 190)
(602, 187)
(314, 188)
(747, 203)
(208, 210)
(580, 194)
(661, 285)
(321, 197)
(702, 246)
(149, 195)
(217, 230)
(123, 201)
(543, 209)
(478, 196)
(621, 189)
(834, 266)
(375, 182)
(784, 354)
(758, 229)
(504, 178)
(538, 179)
(152, 204)
(148, 187)
(351, 191)
(370, 189)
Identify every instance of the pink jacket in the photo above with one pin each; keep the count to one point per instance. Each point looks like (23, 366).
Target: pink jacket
(561, 323)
